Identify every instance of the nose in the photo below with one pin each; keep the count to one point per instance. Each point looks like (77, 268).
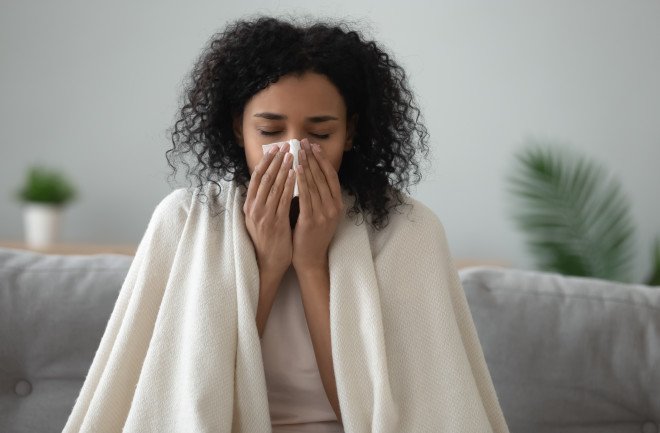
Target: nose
(298, 132)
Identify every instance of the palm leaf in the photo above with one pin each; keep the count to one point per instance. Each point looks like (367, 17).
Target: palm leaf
(654, 279)
(576, 218)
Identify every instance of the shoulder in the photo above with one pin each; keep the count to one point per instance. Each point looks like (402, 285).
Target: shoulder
(176, 201)
(182, 202)
(184, 198)
(411, 224)
(172, 210)
(418, 214)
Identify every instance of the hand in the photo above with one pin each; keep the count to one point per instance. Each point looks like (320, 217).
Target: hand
(266, 210)
(321, 208)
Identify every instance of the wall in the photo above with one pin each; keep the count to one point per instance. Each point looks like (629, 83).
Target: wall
(92, 88)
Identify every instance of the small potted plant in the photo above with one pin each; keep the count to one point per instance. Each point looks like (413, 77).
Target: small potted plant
(44, 194)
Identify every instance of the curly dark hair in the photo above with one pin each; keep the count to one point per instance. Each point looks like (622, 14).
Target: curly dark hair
(251, 54)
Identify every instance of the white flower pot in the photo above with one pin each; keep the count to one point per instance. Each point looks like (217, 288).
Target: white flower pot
(42, 224)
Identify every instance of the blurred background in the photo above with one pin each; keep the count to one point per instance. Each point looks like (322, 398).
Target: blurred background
(92, 88)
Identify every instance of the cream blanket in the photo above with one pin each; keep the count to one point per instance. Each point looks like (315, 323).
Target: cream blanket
(181, 351)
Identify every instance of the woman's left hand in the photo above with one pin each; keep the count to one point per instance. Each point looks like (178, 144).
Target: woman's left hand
(321, 209)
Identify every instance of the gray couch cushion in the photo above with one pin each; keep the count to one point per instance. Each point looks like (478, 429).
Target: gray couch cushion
(53, 312)
(568, 354)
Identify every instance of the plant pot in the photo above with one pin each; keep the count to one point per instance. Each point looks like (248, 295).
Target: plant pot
(42, 224)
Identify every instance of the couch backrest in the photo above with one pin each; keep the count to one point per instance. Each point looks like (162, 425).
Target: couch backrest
(53, 312)
(568, 354)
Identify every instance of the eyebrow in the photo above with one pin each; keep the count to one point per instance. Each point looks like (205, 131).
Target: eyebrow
(314, 119)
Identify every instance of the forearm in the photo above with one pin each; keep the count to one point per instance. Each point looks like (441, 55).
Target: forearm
(315, 292)
(268, 284)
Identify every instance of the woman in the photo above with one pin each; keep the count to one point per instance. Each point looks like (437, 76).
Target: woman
(284, 313)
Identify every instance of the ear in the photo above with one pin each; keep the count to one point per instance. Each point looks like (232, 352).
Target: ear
(237, 121)
(351, 124)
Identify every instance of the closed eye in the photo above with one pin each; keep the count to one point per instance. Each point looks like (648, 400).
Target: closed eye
(319, 136)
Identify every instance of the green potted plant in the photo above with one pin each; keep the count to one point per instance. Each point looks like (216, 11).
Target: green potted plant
(44, 194)
(575, 215)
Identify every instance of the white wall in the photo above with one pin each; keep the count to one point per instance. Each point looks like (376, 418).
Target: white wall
(92, 87)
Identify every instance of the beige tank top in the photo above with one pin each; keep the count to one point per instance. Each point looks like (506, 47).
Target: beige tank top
(296, 396)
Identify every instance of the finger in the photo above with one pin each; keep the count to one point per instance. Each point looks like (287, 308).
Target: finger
(287, 195)
(270, 175)
(322, 182)
(258, 172)
(304, 200)
(329, 172)
(278, 186)
(314, 197)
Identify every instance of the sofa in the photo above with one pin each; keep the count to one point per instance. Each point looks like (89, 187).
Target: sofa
(566, 354)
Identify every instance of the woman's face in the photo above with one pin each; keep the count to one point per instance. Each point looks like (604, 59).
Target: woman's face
(307, 106)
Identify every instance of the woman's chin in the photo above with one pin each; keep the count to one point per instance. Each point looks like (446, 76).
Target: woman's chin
(294, 211)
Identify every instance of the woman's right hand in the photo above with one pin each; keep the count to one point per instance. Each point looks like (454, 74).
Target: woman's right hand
(266, 210)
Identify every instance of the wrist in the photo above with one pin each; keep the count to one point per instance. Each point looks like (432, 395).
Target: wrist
(271, 276)
(311, 269)
(272, 267)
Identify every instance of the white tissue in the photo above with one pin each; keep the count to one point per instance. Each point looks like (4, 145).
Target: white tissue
(294, 148)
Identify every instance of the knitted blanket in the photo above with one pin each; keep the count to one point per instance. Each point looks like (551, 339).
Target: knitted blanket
(181, 350)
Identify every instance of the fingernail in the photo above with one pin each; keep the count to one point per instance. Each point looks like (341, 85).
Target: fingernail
(302, 154)
(288, 157)
(273, 149)
(305, 143)
(316, 147)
